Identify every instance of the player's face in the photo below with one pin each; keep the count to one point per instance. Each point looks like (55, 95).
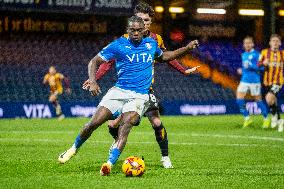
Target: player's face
(135, 31)
(275, 43)
(146, 18)
(52, 70)
(248, 44)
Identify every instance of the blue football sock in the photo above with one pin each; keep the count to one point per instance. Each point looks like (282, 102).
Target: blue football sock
(263, 108)
(242, 106)
(114, 155)
(78, 142)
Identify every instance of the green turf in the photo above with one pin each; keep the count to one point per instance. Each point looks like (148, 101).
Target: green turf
(206, 151)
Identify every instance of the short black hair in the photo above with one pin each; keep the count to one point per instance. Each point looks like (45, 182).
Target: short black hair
(145, 8)
(135, 19)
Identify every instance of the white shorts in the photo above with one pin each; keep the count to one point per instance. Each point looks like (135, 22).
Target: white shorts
(119, 101)
(253, 88)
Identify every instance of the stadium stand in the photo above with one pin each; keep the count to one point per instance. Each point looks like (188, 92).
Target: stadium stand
(25, 58)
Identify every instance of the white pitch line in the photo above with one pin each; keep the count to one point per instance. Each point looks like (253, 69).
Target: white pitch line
(223, 136)
(38, 132)
(239, 136)
(171, 143)
(151, 133)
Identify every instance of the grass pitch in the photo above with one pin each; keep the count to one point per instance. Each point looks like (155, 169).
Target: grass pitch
(206, 151)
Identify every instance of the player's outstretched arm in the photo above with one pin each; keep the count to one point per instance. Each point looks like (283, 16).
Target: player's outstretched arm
(171, 55)
(92, 69)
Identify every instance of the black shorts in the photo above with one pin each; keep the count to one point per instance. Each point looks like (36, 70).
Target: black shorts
(153, 103)
(275, 89)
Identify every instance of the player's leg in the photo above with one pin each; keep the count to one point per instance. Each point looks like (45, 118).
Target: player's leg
(241, 93)
(256, 93)
(160, 131)
(271, 100)
(113, 126)
(106, 109)
(129, 119)
(101, 116)
(161, 136)
(53, 99)
(131, 112)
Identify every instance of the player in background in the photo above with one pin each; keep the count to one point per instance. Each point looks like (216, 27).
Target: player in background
(54, 80)
(273, 59)
(146, 12)
(130, 95)
(250, 82)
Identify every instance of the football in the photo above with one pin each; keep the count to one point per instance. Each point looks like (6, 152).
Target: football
(133, 166)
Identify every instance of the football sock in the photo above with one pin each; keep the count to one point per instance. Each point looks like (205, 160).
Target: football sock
(263, 108)
(162, 139)
(113, 132)
(55, 103)
(57, 107)
(278, 112)
(114, 155)
(273, 109)
(243, 110)
(78, 142)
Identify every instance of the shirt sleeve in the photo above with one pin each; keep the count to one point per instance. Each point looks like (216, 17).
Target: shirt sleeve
(60, 76)
(46, 77)
(261, 58)
(109, 52)
(161, 42)
(159, 51)
(176, 65)
(103, 69)
(254, 62)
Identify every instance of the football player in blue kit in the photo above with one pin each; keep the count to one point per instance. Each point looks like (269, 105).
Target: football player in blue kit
(130, 95)
(250, 82)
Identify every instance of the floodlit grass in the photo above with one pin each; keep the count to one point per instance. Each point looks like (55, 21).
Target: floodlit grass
(206, 151)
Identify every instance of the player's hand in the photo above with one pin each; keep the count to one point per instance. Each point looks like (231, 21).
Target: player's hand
(192, 44)
(239, 71)
(94, 88)
(68, 91)
(86, 85)
(266, 62)
(191, 70)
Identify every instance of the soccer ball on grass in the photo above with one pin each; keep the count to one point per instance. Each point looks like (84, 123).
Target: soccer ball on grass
(133, 166)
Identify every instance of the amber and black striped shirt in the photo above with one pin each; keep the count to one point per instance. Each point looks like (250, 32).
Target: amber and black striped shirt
(273, 73)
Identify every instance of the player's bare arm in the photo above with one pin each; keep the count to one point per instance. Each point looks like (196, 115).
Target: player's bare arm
(171, 55)
(94, 88)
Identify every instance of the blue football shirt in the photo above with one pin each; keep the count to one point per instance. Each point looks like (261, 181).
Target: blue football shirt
(250, 70)
(134, 63)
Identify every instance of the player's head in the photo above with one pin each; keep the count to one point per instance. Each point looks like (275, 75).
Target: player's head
(248, 43)
(275, 41)
(146, 12)
(52, 70)
(135, 29)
